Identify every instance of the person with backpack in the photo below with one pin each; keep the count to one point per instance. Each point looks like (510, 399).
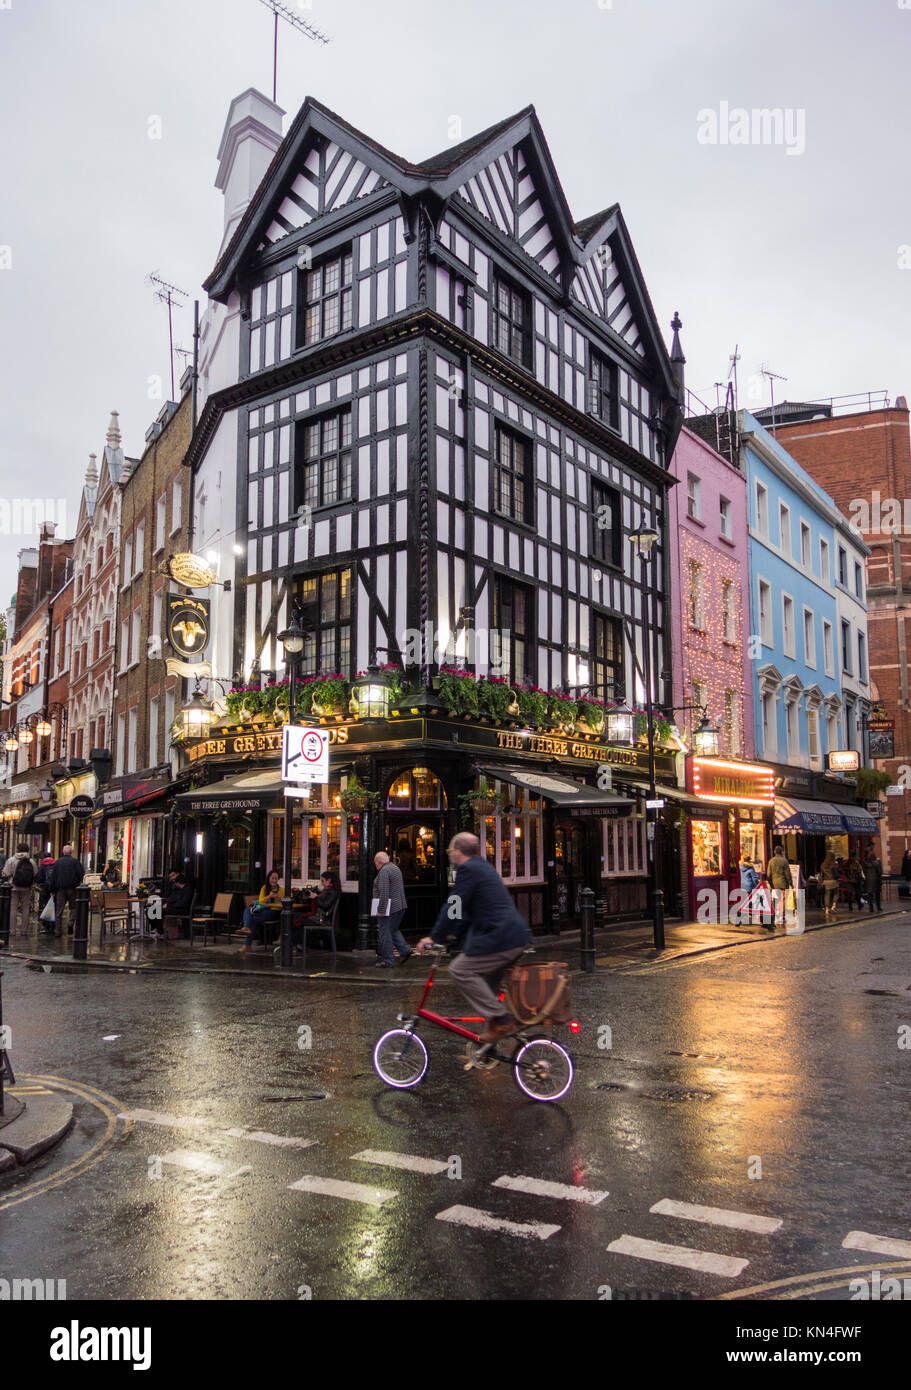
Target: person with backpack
(20, 870)
(778, 873)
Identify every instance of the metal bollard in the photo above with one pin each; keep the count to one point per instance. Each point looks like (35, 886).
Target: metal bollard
(587, 930)
(5, 893)
(81, 933)
(287, 933)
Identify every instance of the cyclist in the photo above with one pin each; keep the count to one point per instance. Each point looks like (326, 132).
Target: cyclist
(481, 915)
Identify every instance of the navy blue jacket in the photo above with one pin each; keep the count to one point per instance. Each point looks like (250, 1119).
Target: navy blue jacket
(480, 912)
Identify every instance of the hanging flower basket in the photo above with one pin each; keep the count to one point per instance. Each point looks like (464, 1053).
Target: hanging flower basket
(356, 798)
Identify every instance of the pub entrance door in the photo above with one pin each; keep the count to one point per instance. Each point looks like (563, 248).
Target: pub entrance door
(576, 867)
(416, 846)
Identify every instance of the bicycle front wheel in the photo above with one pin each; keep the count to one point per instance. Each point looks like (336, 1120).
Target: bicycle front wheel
(400, 1059)
(543, 1069)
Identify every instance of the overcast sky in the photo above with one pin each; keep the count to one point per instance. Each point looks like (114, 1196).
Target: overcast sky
(795, 257)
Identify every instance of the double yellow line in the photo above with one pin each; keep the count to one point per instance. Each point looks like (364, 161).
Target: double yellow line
(116, 1130)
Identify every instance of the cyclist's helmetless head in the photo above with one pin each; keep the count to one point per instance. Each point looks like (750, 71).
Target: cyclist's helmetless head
(463, 846)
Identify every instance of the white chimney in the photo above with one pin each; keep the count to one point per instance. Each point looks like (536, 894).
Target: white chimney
(252, 134)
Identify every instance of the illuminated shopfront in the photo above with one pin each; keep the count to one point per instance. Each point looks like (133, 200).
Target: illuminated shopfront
(730, 810)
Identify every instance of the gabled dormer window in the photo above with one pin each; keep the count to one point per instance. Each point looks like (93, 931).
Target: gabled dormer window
(511, 328)
(326, 298)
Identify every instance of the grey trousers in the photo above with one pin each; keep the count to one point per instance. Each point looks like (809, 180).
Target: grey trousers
(478, 977)
(388, 934)
(20, 907)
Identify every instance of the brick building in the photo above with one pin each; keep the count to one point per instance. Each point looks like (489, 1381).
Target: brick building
(34, 717)
(154, 512)
(863, 458)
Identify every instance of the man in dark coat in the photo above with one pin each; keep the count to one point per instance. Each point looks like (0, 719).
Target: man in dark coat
(481, 915)
(64, 877)
(873, 879)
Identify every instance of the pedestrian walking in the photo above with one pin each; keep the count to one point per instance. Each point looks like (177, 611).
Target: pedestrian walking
(44, 890)
(749, 882)
(828, 875)
(481, 915)
(906, 865)
(389, 906)
(778, 873)
(854, 874)
(873, 879)
(20, 871)
(64, 877)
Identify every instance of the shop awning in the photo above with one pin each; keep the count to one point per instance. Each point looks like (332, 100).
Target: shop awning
(59, 813)
(41, 816)
(858, 821)
(562, 791)
(808, 817)
(251, 791)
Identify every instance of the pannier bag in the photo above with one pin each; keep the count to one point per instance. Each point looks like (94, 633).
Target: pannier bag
(536, 992)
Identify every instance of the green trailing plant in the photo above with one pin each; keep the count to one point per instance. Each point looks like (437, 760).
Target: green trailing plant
(870, 782)
(356, 798)
(458, 691)
(562, 709)
(532, 706)
(330, 693)
(494, 697)
(661, 726)
(593, 712)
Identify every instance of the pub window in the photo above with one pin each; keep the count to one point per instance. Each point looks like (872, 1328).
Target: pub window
(603, 395)
(511, 493)
(511, 321)
(325, 298)
(412, 791)
(607, 659)
(623, 847)
(327, 649)
(512, 840)
(322, 460)
(510, 638)
(607, 525)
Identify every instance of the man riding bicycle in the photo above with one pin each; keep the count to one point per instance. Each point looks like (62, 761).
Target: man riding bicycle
(482, 917)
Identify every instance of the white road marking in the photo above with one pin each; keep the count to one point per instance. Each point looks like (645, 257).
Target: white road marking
(879, 1245)
(195, 1162)
(411, 1162)
(718, 1216)
(351, 1191)
(487, 1221)
(538, 1187)
(279, 1141)
(704, 1260)
(155, 1117)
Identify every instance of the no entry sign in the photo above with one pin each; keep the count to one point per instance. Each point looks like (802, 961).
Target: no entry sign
(305, 754)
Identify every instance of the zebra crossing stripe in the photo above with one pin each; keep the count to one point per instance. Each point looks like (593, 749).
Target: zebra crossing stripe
(350, 1191)
(717, 1216)
(411, 1162)
(202, 1163)
(487, 1221)
(278, 1141)
(878, 1245)
(155, 1117)
(538, 1187)
(706, 1261)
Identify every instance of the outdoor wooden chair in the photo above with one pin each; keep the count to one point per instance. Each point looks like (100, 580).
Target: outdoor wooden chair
(210, 919)
(115, 912)
(331, 927)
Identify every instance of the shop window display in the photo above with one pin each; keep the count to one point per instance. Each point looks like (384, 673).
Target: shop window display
(706, 848)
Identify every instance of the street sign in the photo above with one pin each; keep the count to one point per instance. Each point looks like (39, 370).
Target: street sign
(895, 791)
(657, 805)
(877, 809)
(303, 791)
(305, 754)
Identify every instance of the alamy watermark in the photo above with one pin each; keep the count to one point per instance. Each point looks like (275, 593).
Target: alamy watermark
(757, 125)
(25, 516)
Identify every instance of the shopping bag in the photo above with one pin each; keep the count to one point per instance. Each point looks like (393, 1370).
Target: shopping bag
(47, 912)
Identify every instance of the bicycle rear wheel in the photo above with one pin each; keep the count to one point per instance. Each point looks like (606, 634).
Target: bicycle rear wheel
(543, 1069)
(400, 1059)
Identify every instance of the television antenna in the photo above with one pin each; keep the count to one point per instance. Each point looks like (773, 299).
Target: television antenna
(170, 295)
(290, 16)
(773, 377)
(732, 371)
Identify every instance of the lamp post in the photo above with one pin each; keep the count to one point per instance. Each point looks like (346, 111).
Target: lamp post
(292, 639)
(643, 541)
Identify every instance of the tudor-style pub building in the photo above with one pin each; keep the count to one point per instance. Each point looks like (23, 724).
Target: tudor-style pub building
(433, 406)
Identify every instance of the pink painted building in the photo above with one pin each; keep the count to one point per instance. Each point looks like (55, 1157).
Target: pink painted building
(710, 594)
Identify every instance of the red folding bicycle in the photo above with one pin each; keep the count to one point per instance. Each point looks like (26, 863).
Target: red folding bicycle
(542, 1068)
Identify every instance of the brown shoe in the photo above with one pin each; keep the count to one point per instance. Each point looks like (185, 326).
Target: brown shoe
(494, 1031)
(245, 951)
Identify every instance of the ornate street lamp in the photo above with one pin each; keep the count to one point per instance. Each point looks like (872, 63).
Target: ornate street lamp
(706, 739)
(643, 541)
(43, 728)
(26, 736)
(620, 726)
(198, 714)
(372, 691)
(11, 742)
(293, 640)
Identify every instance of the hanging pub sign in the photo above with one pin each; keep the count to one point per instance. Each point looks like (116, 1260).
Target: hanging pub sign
(191, 570)
(81, 807)
(843, 760)
(187, 624)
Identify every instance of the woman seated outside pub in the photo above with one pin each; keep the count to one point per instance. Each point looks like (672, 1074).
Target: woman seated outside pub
(263, 914)
(318, 912)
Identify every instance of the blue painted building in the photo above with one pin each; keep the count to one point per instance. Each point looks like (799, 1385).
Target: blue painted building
(808, 645)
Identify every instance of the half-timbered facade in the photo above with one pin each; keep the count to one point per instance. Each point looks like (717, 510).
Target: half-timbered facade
(451, 404)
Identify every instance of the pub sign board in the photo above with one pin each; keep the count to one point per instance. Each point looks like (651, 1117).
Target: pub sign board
(187, 624)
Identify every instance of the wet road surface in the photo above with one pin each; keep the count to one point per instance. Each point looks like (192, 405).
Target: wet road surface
(739, 1124)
